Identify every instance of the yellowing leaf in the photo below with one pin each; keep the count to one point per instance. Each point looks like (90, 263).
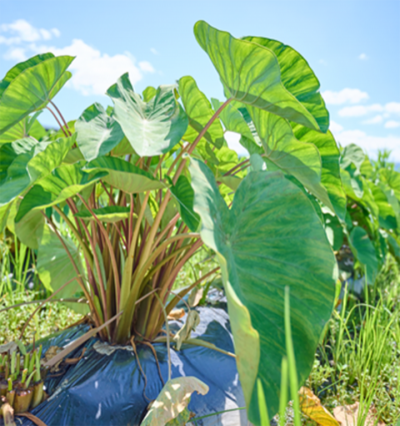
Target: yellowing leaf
(311, 406)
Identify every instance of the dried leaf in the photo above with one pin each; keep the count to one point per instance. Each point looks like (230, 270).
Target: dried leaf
(8, 348)
(192, 321)
(7, 412)
(173, 400)
(347, 415)
(195, 296)
(176, 314)
(311, 406)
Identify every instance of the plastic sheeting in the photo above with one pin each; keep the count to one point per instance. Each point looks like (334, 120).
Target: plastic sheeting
(107, 389)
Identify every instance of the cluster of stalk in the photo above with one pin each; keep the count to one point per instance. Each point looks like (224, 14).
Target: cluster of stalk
(21, 379)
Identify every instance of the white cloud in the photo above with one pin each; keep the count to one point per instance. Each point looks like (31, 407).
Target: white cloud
(392, 124)
(374, 120)
(15, 54)
(94, 72)
(363, 57)
(360, 110)
(146, 67)
(22, 31)
(352, 96)
(393, 107)
(154, 51)
(371, 144)
(335, 127)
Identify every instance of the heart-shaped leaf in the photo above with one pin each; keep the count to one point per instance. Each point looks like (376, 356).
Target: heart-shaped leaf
(330, 173)
(298, 78)
(34, 161)
(365, 252)
(32, 89)
(19, 68)
(64, 182)
(269, 239)
(54, 267)
(152, 127)
(251, 74)
(299, 159)
(124, 175)
(19, 131)
(199, 111)
(97, 132)
(184, 195)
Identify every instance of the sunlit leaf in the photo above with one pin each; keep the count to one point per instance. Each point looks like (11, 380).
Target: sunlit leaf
(152, 127)
(251, 74)
(199, 111)
(124, 176)
(97, 132)
(32, 89)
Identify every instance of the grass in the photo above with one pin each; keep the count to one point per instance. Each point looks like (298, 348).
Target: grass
(359, 359)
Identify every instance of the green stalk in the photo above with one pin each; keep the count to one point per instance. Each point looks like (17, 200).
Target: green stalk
(76, 234)
(110, 249)
(18, 363)
(32, 363)
(140, 275)
(283, 397)
(13, 362)
(10, 395)
(26, 362)
(127, 274)
(294, 385)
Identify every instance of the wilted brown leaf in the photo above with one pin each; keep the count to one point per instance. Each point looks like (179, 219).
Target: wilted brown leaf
(176, 314)
(347, 415)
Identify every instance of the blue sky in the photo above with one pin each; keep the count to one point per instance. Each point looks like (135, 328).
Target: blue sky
(353, 47)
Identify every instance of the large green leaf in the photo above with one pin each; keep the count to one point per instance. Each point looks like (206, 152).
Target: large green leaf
(184, 194)
(152, 127)
(387, 215)
(22, 66)
(97, 132)
(269, 239)
(298, 78)
(34, 161)
(392, 179)
(294, 157)
(55, 268)
(364, 252)
(251, 74)
(64, 182)
(32, 89)
(330, 176)
(124, 175)
(29, 229)
(199, 111)
(20, 131)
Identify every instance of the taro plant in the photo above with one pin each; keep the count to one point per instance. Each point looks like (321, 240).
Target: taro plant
(120, 199)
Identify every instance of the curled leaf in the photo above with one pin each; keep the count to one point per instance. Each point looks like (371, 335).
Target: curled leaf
(192, 321)
(173, 400)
